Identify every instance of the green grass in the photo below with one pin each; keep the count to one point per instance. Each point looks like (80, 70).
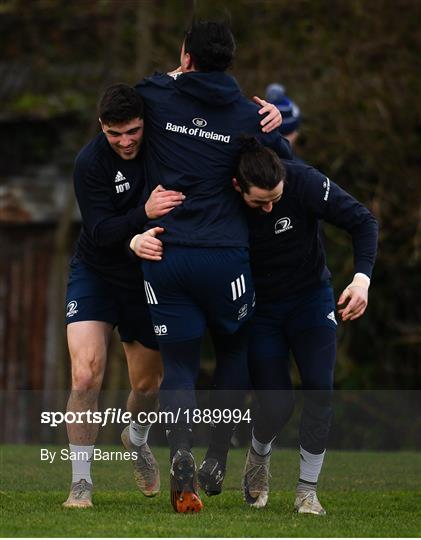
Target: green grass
(365, 494)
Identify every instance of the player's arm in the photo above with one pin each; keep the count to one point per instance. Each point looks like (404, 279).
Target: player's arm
(274, 140)
(277, 143)
(334, 205)
(270, 135)
(105, 225)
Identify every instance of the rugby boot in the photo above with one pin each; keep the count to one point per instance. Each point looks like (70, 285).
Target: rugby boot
(255, 483)
(184, 496)
(145, 466)
(211, 476)
(306, 502)
(80, 495)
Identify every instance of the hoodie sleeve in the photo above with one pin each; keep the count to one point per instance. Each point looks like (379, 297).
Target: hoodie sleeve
(277, 143)
(327, 201)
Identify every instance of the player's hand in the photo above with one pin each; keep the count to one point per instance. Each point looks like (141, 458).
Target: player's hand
(272, 119)
(161, 201)
(354, 299)
(147, 246)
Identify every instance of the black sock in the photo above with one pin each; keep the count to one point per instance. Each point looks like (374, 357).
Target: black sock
(218, 452)
(179, 438)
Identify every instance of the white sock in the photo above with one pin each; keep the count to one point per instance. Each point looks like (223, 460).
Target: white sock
(139, 433)
(81, 466)
(310, 465)
(262, 449)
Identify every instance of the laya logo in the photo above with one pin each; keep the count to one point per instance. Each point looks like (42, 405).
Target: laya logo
(199, 122)
(71, 308)
(282, 225)
(160, 329)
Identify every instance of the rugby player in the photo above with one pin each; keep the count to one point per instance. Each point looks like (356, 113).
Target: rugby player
(105, 287)
(296, 307)
(295, 310)
(195, 116)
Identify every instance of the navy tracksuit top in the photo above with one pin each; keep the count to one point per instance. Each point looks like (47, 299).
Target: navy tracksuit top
(192, 125)
(286, 251)
(108, 190)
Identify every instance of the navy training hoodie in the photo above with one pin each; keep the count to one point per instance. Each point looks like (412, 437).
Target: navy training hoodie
(193, 123)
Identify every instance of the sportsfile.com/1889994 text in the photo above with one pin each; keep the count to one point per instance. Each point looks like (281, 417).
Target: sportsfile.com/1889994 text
(118, 416)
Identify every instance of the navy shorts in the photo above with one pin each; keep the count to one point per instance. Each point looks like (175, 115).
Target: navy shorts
(91, 298)
(276, 323)
(192, 288)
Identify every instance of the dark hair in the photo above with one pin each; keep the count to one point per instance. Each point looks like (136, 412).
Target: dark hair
(211, 45)
(120, 103)
(258, 166)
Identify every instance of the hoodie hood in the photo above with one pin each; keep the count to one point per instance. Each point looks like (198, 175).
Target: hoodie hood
(214, 87)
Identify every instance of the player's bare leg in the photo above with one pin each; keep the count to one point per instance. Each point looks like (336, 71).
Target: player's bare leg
(145, 374)
(88, 345)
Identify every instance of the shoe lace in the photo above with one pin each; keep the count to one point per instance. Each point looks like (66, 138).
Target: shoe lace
(81, 489)
(310, 497)
(146, 456)
(259, 475)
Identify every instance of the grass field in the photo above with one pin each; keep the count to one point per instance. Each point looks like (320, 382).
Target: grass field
(365, 494)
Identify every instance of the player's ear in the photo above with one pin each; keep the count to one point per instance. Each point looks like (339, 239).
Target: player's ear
(236, 185)
(189, 61)
(186, 61)
(101, 124)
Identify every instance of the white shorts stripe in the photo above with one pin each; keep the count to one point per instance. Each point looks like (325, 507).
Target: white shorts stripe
(150, 295)
(154, 300)
(147, 293)
(238, 287)
(243, 283)
(237, 282)
(234, 291)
